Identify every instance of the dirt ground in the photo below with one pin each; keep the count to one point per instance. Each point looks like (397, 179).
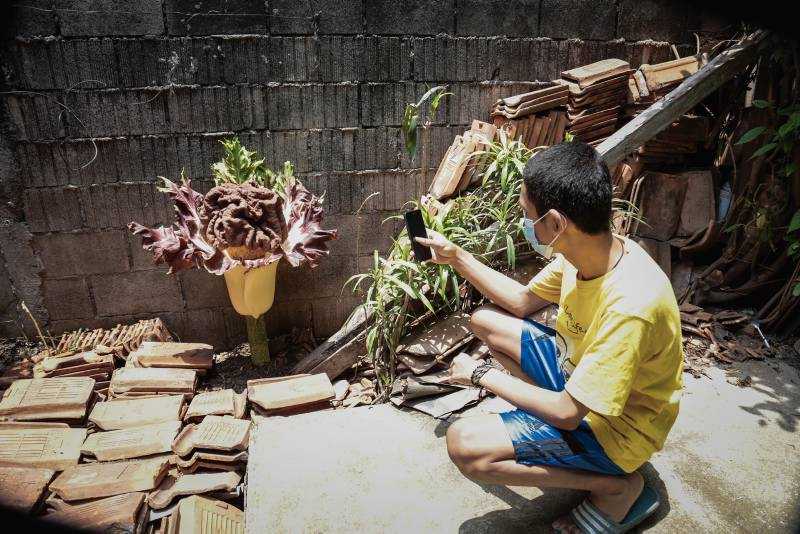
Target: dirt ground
(233, 368)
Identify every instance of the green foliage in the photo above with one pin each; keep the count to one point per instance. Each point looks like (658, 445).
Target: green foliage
(485, 222)
(411, 116)
(778, 151)
(240, 165)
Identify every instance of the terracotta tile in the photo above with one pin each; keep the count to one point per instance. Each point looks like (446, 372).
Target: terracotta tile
(210, 456)
(132, 442)
(118, 414)
(214, 432)
(120, 513)
(134, 380)
(41, 399)
(47, 445)
(101, 479)
(199, 515)
(172, 354)
(594, 72)
(292, 392)
(21, 488)
(191, 485)
(220, 402)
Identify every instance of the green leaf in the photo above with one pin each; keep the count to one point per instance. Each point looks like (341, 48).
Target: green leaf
(769, 147)
(785, 129)
(761, 104)
(790, 169)
(793, 248)
(751, 134)
(796, 290)
(795, 222)
(511, 253)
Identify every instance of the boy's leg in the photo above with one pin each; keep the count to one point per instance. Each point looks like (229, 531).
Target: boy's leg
(482, 450)
(501, 331)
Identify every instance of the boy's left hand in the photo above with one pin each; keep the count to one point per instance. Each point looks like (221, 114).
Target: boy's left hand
(461, 369)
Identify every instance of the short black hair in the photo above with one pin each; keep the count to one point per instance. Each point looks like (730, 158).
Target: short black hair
(571, 178)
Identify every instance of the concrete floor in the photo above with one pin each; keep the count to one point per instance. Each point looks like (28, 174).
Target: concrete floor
(730, 465)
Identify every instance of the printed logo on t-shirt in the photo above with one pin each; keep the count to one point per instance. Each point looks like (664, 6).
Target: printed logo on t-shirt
(572, 325)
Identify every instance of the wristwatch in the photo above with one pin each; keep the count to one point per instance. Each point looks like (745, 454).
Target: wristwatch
(479, 371)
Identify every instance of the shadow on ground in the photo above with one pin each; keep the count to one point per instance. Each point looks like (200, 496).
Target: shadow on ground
(524, 514)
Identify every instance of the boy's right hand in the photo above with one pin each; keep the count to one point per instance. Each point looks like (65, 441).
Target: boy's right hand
(443, 251)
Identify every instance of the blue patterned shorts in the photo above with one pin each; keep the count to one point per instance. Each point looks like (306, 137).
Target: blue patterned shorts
(539, 443)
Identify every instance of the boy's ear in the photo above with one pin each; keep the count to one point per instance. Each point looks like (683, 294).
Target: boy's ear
(555, 221)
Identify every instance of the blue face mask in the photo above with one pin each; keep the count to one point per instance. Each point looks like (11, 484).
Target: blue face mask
(530, 235)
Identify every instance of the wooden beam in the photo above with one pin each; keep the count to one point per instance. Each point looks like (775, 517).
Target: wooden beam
(681, 99)
(340, 351)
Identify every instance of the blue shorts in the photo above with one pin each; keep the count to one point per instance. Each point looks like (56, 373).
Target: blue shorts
(539, 443)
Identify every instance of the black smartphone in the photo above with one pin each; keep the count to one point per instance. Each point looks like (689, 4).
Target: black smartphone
(416, 228)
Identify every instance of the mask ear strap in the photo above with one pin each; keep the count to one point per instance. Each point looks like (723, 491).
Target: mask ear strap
(559, 234)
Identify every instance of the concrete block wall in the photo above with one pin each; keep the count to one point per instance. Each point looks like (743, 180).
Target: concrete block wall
(103, 96)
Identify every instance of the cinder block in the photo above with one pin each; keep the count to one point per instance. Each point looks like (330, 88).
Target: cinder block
(387, 59)
(330, 313)
(82, 253)
(53, 209)
(67, 299)
(29, 58)
(346, 192)
(383, 104)
(584, 19)
(315, 16)
(148, 61)
(34, 18)
(286, 315)
(412, 17)
(659, 20)
(293, 59)
(135, 292)
(37, 116)
(116, 205)
(85, 64)
(285, 111)
(110, 17)
(362, 233)
(245, 59)
(496, 17)
(70, 325)
(235, 327)
(205, 326)
(141, 260)
(202, 289)
(207, 17)
(341, 58)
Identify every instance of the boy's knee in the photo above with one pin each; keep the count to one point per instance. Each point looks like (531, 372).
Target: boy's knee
(461, 439)
(481, 320)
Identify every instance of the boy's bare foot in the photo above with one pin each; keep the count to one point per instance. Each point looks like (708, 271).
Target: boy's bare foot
(614, 505)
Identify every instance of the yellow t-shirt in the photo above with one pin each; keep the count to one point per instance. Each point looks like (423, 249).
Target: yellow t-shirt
(623, 337)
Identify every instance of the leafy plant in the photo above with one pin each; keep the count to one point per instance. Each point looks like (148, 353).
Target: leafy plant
(484, 222)
(411, 116)
(778, 150)
(239, 165)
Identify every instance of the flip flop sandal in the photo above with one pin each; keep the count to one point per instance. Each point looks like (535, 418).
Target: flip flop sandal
(591, 520)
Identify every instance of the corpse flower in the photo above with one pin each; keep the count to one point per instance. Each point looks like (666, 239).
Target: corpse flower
(241, 229)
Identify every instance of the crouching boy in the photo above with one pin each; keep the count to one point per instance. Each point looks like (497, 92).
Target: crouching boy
(597, 395)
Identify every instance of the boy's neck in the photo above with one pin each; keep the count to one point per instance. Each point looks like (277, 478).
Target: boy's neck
(594, 255)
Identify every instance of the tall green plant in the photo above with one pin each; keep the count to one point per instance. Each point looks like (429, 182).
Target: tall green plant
(484, 222)
(411, 116)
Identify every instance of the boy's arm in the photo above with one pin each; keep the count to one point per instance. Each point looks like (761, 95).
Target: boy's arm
(557, 408)
(497, 287)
